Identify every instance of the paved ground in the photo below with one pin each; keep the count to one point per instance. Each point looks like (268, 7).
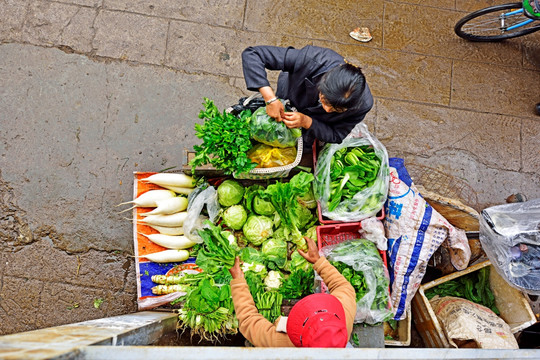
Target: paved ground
(92, 90)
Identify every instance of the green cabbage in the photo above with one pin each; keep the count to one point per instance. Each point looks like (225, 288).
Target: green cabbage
(263, 207)
(298, 262)
(230, 193)
(275, 252)
(257, 229)
(235, 217)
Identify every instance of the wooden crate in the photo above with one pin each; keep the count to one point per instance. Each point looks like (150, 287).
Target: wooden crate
(514, 308)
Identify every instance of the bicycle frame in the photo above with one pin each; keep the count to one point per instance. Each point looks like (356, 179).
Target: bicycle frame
(512, 13)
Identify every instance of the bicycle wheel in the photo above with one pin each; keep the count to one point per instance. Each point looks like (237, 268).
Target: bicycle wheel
(489, 24)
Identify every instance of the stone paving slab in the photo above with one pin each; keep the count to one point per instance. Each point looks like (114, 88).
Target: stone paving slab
(328, 20)
(228, 13)
(430, 31)
(129, 36)
(13, 14)
(495, 88)
(51, 23)
(399, 124)
(399, 75)
(530, 145)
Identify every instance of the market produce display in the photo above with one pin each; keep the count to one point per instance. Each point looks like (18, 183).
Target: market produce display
(232, 143)
(263, 225)
(474, 287)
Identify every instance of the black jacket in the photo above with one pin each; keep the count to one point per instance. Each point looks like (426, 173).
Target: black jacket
(301, 70)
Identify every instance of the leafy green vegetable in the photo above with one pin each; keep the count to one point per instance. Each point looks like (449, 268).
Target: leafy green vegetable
(266, 130)
(216, 253)
(269, 304)
(263, 207)
(274, 253)
(235, 217)
(298, 262)
(298, 284)
(360, 263)
(474, 287)
(294, 217)
(226, 140)
(208, 309)
(230, 192)
(257, 229)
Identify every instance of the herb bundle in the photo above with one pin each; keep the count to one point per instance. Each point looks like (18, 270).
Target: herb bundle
(226, 140)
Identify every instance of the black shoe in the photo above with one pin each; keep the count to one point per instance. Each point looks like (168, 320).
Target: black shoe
(538, 109)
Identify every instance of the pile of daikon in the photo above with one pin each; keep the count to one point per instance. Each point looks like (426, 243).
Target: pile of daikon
(168, 215)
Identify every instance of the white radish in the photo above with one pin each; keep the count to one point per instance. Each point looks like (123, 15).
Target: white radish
(170, 242)
(179, 189)
(166, 256)
(178, 230)
(171, 179)
(169, 206)
(171, 220)
(149, 198)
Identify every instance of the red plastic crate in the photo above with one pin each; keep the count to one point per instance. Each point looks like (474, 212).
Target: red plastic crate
(322, 219)
(338, 233)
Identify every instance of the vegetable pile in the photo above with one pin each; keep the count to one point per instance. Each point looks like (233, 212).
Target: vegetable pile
(231, 142)
(474, 287)
(265, 226)
(166, 217)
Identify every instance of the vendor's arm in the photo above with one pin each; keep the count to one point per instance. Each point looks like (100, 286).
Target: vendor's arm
(337, 284)
(254, 326)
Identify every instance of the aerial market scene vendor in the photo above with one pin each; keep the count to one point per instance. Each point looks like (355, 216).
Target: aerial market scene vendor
(286, 252)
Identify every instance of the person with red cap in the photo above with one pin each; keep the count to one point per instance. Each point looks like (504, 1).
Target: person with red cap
(318, 320)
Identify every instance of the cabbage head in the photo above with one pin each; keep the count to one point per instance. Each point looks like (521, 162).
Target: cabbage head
(235, 217)
(230, 192)
(298, 262)
(275, 252)
(263, 207)
(257, 229)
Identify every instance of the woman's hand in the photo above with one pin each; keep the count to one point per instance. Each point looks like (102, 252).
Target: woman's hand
(236, 271)
(296, 120)
(276, 110)
(313, 253)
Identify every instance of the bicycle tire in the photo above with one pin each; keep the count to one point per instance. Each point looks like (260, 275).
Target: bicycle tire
(488, 14)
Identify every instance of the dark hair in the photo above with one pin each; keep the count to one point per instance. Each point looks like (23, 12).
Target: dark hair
(343, 86)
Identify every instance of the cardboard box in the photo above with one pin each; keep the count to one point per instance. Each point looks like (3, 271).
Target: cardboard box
(514, 308)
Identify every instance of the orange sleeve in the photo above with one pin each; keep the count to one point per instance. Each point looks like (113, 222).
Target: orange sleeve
(254, 327)
(339, 287)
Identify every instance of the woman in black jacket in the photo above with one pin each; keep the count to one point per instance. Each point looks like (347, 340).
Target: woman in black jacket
(331, 95)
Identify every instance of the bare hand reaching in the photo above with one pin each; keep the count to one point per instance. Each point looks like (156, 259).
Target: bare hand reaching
(312, 254)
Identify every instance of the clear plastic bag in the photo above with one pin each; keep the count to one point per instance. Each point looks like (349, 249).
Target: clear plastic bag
(362, 255)
(266, 130)
(365, 203)
(510, 236)
(202, 196)
(267, 156)
(372, 229)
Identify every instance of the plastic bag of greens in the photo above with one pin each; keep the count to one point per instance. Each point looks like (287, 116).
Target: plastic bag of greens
(266, 130)
(360, 263)
(267, 156)
(351, 178)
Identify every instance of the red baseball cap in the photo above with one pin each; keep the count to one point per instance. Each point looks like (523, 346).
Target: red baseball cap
(318, 320)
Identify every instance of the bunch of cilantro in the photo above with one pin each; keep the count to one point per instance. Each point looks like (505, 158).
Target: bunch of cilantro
(226, 140)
